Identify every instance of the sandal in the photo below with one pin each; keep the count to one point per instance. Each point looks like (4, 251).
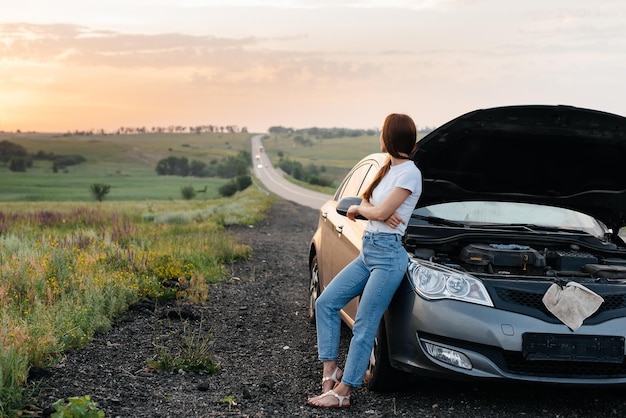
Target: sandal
(343, 401)
(332, 377)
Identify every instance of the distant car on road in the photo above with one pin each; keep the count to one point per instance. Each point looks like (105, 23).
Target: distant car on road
(516, 267)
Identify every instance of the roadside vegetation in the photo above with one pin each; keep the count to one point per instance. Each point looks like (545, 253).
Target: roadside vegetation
(89, 226)
(69, 270)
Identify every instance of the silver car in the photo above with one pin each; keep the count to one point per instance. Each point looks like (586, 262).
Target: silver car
(517, 269)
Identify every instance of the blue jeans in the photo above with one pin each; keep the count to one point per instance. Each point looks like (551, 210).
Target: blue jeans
(375, 275)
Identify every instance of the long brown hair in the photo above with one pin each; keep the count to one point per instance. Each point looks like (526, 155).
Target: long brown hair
(399, 135)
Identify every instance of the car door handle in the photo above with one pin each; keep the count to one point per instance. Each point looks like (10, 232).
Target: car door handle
(339, 229)
(324, 215)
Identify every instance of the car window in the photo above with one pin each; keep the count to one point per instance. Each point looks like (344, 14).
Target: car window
(369, 177)
(357, 180)
(508, 213)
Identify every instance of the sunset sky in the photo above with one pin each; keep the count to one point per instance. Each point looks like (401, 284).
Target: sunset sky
(101, 64)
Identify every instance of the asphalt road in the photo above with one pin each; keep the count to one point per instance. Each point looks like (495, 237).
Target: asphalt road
(275, 182)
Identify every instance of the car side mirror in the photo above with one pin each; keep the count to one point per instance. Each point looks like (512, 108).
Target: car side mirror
(346, 202)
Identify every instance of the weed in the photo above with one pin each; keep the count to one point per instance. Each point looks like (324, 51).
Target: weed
(76, 407)
(189, 352)
(230, 400)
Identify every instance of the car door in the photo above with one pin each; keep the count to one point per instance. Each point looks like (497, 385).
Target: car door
(344, 235)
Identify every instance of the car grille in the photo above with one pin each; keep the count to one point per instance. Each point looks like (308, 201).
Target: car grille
(516, 364)
(529, 302)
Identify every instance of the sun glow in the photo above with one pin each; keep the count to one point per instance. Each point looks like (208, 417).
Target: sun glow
(299, 63)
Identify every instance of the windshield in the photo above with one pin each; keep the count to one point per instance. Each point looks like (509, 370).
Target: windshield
(511, 213)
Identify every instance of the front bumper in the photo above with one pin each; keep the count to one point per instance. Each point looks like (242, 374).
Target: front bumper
(491, 339)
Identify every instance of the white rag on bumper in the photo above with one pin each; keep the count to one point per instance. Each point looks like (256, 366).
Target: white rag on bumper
(572, 304)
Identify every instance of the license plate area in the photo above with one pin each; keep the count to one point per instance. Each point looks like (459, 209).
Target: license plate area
(563, 347)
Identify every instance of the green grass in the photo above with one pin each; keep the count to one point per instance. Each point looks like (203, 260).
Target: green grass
(125, 162)
(336, 155)
(39, 185)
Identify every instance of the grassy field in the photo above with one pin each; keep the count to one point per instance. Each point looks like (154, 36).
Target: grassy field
(125, 162)
(336, 155)
(41, 186)
(332, 152)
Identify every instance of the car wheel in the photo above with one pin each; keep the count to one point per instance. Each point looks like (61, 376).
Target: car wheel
(381, 376)
(314, 288)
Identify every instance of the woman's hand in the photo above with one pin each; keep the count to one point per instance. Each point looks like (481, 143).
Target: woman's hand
(353, 212)
(394, 220)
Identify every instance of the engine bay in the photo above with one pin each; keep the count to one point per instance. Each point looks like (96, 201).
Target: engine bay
(524, 260)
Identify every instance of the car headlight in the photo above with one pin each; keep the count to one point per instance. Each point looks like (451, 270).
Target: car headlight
(434, 281)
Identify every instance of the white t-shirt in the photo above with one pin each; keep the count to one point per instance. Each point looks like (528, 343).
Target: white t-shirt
(407, 176)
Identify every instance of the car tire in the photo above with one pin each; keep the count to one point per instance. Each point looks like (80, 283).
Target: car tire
(381, 376)
(314, 287)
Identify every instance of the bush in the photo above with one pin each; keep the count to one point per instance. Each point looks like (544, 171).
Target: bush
(310, 173)
(243, 182)
(99, 191)
(188, 192)
(9, 150)
(173, 166)
(197, 168)
(66, 160)
(235, 185)
(18, 164)
(228, 189)
(319, 181)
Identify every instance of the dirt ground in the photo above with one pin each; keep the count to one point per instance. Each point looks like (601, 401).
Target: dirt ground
(266, 350)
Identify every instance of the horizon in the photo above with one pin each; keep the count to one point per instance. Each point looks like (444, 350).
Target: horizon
(187, 129)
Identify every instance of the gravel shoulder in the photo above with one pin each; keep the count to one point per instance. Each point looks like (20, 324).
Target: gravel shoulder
(266, 350)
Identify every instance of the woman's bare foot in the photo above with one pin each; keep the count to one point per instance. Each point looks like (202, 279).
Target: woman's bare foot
(334, 398)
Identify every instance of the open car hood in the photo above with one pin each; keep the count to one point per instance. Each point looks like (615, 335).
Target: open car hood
(554, 155)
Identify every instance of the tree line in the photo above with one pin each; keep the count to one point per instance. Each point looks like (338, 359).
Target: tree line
(329, 133)
(232, 167)
(136, 130)
(310, 173)
(19, 160)
(228, 167)
(323, 133)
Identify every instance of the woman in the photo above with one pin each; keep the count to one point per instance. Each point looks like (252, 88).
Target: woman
(378, 270)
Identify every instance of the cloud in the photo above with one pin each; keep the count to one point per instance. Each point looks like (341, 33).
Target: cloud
(228, 60)
(314, 4)
(98, 47)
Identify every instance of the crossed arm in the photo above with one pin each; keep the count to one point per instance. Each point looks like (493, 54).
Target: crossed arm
(384, 212)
